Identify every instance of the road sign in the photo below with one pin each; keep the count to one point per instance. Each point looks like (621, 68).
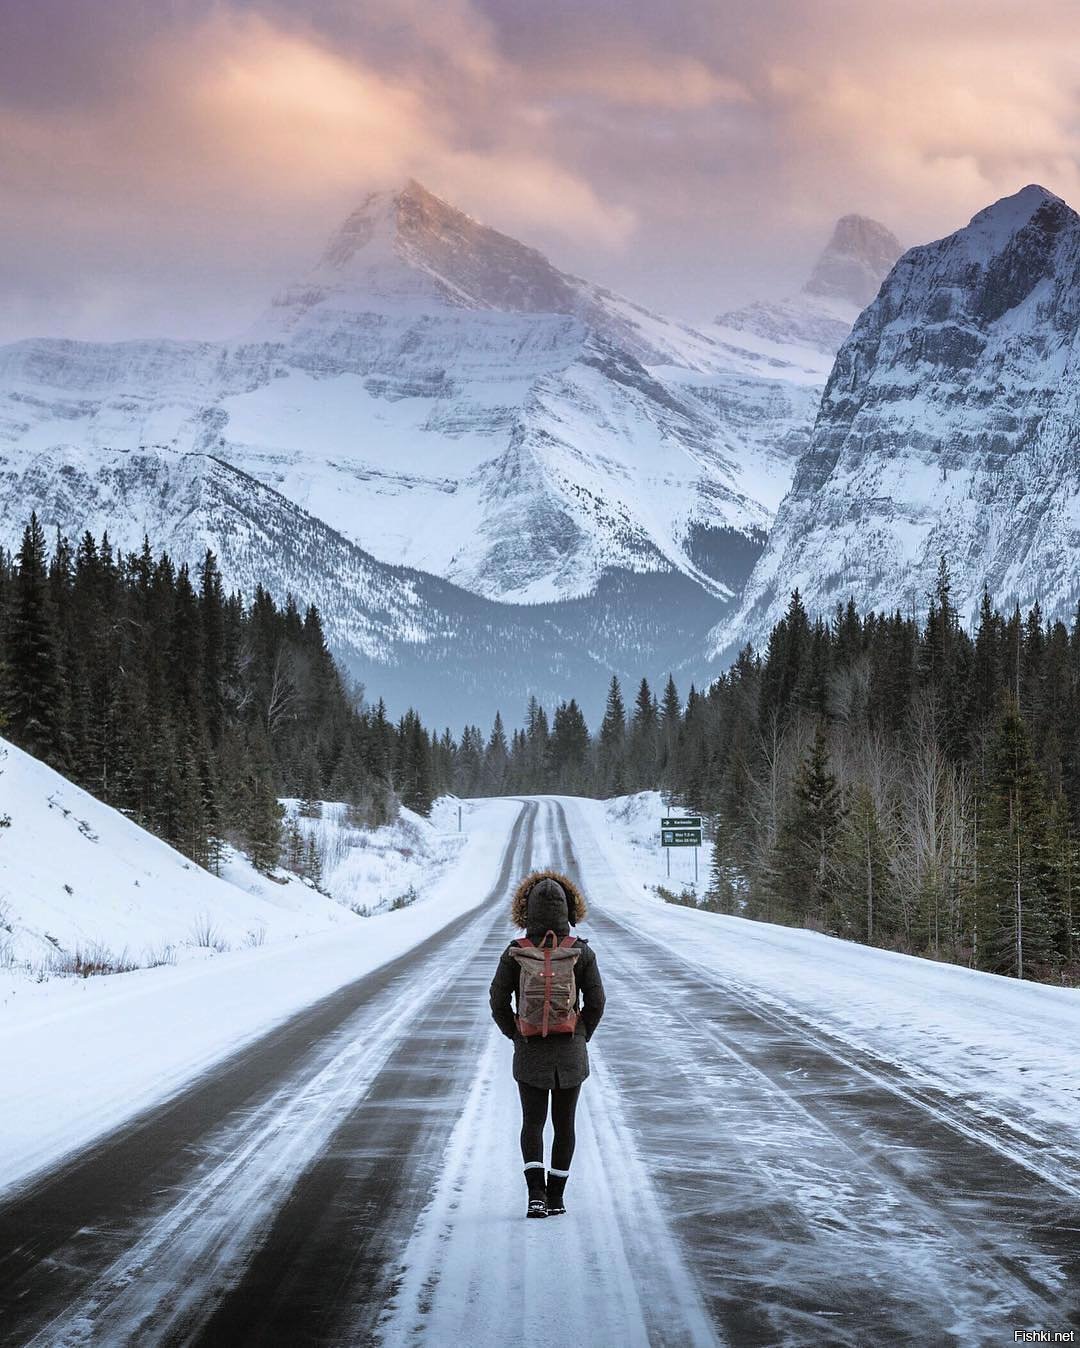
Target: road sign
(680, 837)
(683, 831)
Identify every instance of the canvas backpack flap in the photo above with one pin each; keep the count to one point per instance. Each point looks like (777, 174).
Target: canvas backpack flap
(547, 988)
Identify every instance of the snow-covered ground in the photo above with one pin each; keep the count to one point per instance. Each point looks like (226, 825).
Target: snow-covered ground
(1005, 1050)
(369, 870)
(634, 822)
(79, 879)
(784, 1139)
(208, 961)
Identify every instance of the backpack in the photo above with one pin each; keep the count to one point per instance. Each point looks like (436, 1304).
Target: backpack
(547, 989)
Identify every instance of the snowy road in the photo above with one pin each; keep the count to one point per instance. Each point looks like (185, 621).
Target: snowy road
(742, 1176)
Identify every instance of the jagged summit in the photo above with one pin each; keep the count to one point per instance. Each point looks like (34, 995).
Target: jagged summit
(466, 262)
(948, 426)
(847, 275)
(996, 224)
(856, 260)
(408, 251)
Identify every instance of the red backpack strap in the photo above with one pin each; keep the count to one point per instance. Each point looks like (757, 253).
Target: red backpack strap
(523, 941)
(567, 940)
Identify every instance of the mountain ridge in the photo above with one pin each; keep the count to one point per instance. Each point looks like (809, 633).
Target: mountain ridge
(442, 397)
(948, 427)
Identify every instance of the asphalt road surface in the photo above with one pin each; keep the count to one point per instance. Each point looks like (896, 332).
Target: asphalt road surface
(352, 1178)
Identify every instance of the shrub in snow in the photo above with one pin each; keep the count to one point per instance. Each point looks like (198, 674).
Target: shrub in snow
(404, 900)
(206, 934)
(89, 961)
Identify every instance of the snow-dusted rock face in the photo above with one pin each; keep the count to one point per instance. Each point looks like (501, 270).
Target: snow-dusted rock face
(443, 396)
(846, 277)
(410, 637)
(858, 257)
(949, 425)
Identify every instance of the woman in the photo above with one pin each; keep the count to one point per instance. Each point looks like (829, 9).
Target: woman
(559, 1000)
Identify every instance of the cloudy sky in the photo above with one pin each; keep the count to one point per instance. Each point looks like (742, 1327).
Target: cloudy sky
(166, 164)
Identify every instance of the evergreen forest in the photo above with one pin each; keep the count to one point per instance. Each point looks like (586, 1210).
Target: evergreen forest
(901, 781)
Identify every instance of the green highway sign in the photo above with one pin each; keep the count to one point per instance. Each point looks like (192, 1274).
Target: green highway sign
(691, 821)
(680, 837)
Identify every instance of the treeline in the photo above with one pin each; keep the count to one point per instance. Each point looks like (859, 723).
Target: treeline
(897, 782)
(634, 748)
(893, 781)
(185, 707)
(901, 783)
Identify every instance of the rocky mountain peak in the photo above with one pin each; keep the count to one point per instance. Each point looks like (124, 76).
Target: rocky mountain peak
(994, 227)
(471, 264)
(856, 260)
(948, 427)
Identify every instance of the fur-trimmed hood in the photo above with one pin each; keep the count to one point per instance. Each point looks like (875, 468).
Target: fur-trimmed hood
(519, 906)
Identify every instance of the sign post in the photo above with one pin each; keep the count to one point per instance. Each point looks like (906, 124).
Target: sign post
(684, 832)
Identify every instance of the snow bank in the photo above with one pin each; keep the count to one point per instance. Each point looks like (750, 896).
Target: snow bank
(370, 870)
(1005, 1051)
(635, 822)
(133, 1039)
(78, 876)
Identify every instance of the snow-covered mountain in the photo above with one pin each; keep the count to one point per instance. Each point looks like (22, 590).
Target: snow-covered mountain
(949, 426)
(846, 277)
(410, 637)
(442, 395)
(502, 423)
(439, 396)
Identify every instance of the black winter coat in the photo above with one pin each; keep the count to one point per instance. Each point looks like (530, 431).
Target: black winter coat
(558, 1059)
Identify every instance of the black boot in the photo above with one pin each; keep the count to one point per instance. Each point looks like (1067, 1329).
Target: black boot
(555, 1186)
(534, 1178)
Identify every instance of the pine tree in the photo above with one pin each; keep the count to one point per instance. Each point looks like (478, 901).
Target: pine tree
(1017, 874)
(293, 846)
(643, 740)
(414, 768)
(537, 737)
(262, 812)
(612, 741)
(1065, 860)
(496, 759)
(720, 897)
(470, 762)
(33, 696)
(861, 871)
(191, 824)
(313, 867)
(809, 835)
(569, 747)
(311, 796)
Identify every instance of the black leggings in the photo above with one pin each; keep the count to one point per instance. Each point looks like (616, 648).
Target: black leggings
(534, 1108)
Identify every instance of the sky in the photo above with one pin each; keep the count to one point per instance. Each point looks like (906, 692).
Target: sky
(167, 165)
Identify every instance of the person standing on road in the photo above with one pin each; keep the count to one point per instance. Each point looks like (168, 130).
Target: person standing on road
(555, 982)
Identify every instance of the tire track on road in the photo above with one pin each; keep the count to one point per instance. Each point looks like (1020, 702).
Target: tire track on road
(93, 1243)
(819, 1202)
(329, 1260)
